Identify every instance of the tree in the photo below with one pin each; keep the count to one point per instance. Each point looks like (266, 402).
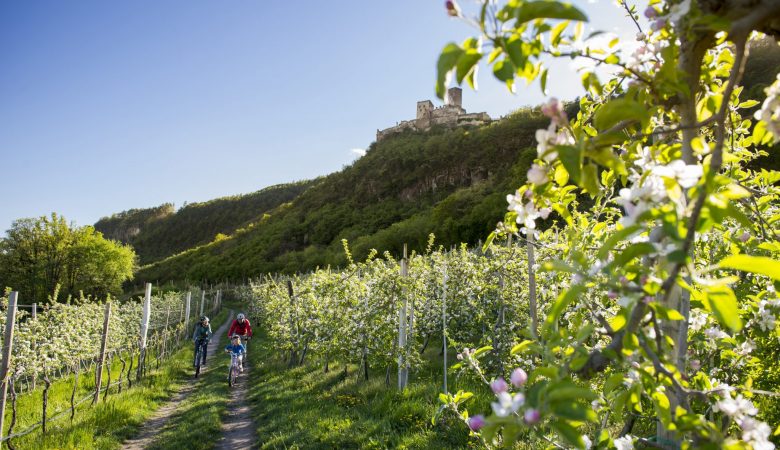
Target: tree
(46, 259)
(661, 148)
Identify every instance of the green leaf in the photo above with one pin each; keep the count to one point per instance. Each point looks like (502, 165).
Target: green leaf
(754, 264)
(447, 59)
(557, 31)
(618, 110)
(543, 82)
(504, 70)
(590, 179)
(568, 433)
(521, 347)
(722, 302)
(571, 157)
(562, 302)
(547, 10)
(466, 63)
(616, 237)
(631, 252)
(561, 175)
(514, 49)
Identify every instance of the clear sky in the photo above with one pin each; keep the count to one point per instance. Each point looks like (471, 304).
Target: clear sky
(112, 105)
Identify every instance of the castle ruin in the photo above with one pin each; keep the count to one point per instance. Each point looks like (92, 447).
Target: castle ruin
(450, 115)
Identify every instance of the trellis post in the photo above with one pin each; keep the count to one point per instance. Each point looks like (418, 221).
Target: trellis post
(147, 310)
(103, 341)
(403, 364)
(444, 324)
(202, 301)
(530, 242)
(7, 346)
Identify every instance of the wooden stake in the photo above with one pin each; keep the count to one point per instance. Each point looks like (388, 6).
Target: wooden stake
(103, 342)
(7, 346)
(144, 330)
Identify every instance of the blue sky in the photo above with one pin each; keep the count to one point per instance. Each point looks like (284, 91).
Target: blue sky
(106, 106)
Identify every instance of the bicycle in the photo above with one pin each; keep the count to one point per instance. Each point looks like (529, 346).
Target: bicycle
(245, 341)
(234, 368)
(200, 355)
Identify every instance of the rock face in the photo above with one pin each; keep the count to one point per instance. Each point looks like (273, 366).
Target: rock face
(450, 115)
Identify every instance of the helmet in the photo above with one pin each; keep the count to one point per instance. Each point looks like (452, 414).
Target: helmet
(241, 316)
(235, 336)
(204, 319)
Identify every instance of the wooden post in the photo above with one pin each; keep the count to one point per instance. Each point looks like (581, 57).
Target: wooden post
(99, 372)
(144, 329)
(293, 352)
(444, 324)
(7, 346)
(202, 301)
(403, 368)
(532, 284)
(34, 310)
(187, 311)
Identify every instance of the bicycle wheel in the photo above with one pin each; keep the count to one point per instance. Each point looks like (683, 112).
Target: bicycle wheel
(232, 376)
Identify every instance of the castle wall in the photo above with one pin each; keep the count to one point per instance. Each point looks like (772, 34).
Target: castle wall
(451, 114)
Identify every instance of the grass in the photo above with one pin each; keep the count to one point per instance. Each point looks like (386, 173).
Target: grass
(197, 422)
(305, 408)
(107, 424)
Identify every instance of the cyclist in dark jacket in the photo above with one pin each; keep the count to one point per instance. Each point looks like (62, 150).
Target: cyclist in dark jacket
(202, 335)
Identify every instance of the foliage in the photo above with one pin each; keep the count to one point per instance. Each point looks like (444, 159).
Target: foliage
(661, 148)
(156, 233)
(48, 260)
(385, 198)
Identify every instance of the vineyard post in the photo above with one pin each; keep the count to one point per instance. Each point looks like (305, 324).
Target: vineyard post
(7, 346)
(293, 353)
(187, 311)
(34, 310)
(144, 329)
(444, 324)
(532, 283)
(202, 300)
(403, 370)
(103, 341)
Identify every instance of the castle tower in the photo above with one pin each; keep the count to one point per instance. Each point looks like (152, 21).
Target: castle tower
(454, 97)
(424, 109)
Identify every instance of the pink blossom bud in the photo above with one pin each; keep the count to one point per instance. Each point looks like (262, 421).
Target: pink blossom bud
(476, 422)
(695, 364)
(518, 377)
(612, 295)
(498, 386)
(745, 237)
(647, 299)
(658, 25)
(452, 8)
(623, 280)
(640, 37)
(643, 279)
(651, 13)
(532, 416)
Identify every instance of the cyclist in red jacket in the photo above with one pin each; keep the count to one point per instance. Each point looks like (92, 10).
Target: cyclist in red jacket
(241, 327)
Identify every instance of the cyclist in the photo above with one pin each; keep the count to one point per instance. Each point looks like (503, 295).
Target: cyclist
(236, 347)
(202, 335)
(241, 327)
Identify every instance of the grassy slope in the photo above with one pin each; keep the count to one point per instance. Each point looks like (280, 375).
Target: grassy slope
(109, 423)
(306, 408)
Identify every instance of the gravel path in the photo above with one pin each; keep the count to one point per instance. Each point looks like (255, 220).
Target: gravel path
(155, 424)
(238, 429)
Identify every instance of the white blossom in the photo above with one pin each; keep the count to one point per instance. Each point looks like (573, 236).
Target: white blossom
(507, 404)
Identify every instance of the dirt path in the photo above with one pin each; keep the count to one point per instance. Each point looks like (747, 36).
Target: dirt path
(238, 429)
(155, 424)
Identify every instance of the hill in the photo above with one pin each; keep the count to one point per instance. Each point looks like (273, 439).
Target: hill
(452, 183)
(159, 232)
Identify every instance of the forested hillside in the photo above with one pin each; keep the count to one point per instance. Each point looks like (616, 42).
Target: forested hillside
(449, 182)
(159, 232)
